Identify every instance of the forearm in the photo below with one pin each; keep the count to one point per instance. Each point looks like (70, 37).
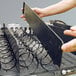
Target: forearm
(60, 7)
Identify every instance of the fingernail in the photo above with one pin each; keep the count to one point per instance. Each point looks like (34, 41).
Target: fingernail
(73, 28)
(22, 16)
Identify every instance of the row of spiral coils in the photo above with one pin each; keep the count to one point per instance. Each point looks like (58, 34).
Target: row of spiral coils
(8, 51)
(33, 56)
(26, 53)
(36, 54)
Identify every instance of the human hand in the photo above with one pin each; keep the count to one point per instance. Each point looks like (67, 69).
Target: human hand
(71, 45)
(39, 11)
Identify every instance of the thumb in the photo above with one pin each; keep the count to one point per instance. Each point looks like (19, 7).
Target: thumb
(69, 46)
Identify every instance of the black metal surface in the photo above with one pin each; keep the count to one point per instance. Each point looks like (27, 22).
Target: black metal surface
(47, 35)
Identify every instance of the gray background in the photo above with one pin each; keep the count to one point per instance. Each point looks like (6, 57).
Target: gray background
(10, 11)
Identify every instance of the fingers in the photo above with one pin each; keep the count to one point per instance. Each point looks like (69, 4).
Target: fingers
(38, 11)
(69, 46)
(73, 28)
(70, 32)
(22, 16)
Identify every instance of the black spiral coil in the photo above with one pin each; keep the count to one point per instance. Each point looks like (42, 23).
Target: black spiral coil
(7, 60)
